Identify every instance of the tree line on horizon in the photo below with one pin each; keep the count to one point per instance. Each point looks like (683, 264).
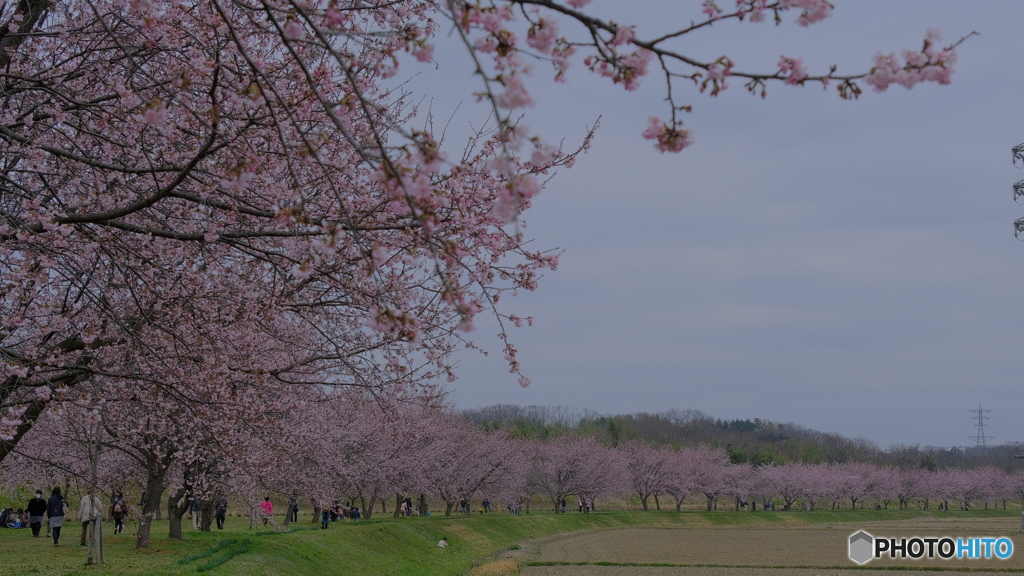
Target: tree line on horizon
(755, 442)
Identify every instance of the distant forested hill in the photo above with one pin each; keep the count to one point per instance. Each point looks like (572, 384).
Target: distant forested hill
(752, 441)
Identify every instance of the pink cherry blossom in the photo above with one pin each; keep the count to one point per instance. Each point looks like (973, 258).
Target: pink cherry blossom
(669, 139)
(793, 70)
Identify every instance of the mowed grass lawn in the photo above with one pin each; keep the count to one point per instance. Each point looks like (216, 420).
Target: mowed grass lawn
(380, 546)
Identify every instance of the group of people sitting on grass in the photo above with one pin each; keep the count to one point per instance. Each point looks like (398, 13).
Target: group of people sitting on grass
(11, 518)
(336, 511)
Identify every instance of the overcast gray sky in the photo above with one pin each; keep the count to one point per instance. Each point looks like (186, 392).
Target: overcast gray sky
(847, 266)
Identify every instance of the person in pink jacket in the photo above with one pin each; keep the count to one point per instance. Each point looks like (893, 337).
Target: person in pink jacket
(267, 508)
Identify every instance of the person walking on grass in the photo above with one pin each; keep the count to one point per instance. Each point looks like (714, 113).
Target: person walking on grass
(36, 510)
(91, 511)
(221, 512)
(118, 509)
(194, 509)
(267, 509)
(55, 512)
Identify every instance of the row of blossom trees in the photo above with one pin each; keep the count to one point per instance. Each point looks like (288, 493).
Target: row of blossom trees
(372, 450)
(214, 214)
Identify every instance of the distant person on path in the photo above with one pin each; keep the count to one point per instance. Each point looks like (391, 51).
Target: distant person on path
(36, 510)
(118, 509)
(220, 513)
(487, 506)
(194, 510)
(563, 505)
(90, 512)
(55, 512)
(293, 509)
(267, 509)
(325, 516)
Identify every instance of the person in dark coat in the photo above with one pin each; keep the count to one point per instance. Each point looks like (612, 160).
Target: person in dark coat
(36, 510)
(221, 511)
(118, 510)
(293, 509)
(55, 511)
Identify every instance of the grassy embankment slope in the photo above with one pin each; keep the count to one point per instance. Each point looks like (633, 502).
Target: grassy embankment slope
(382, 546)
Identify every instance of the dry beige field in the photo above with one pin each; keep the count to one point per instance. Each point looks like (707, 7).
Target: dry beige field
(804, 550)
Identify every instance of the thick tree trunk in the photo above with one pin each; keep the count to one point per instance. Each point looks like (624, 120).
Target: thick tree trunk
(159, 512)
(178, 505)
(398, 506)
(366, 506)
(423, 509)
(643, 500)
(657, 505)
(151, 506)
(207, 516)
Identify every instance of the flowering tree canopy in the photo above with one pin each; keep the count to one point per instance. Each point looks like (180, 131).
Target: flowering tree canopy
(202, 196)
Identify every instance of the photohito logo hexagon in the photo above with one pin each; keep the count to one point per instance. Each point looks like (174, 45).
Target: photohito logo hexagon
(861, 547)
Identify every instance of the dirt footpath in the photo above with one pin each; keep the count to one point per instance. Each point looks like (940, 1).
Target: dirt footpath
(806, 550)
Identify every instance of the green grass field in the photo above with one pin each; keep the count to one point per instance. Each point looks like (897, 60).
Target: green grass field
(381, 546)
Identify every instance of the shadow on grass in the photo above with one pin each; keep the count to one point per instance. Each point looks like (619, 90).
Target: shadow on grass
(224, 551)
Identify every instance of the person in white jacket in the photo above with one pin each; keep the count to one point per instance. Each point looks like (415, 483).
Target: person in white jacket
(91, 511)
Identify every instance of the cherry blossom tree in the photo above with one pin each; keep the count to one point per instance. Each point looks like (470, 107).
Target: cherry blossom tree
(788, 482)
(186, 183)
(576, 465)
(201, 206)
(647, 469)
(678, 483)
(854, 481)
(707, 471)
(816, 484)
(910, 483)
(882, 485)
(465, 461)
(740, 483)
(1016, 484)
